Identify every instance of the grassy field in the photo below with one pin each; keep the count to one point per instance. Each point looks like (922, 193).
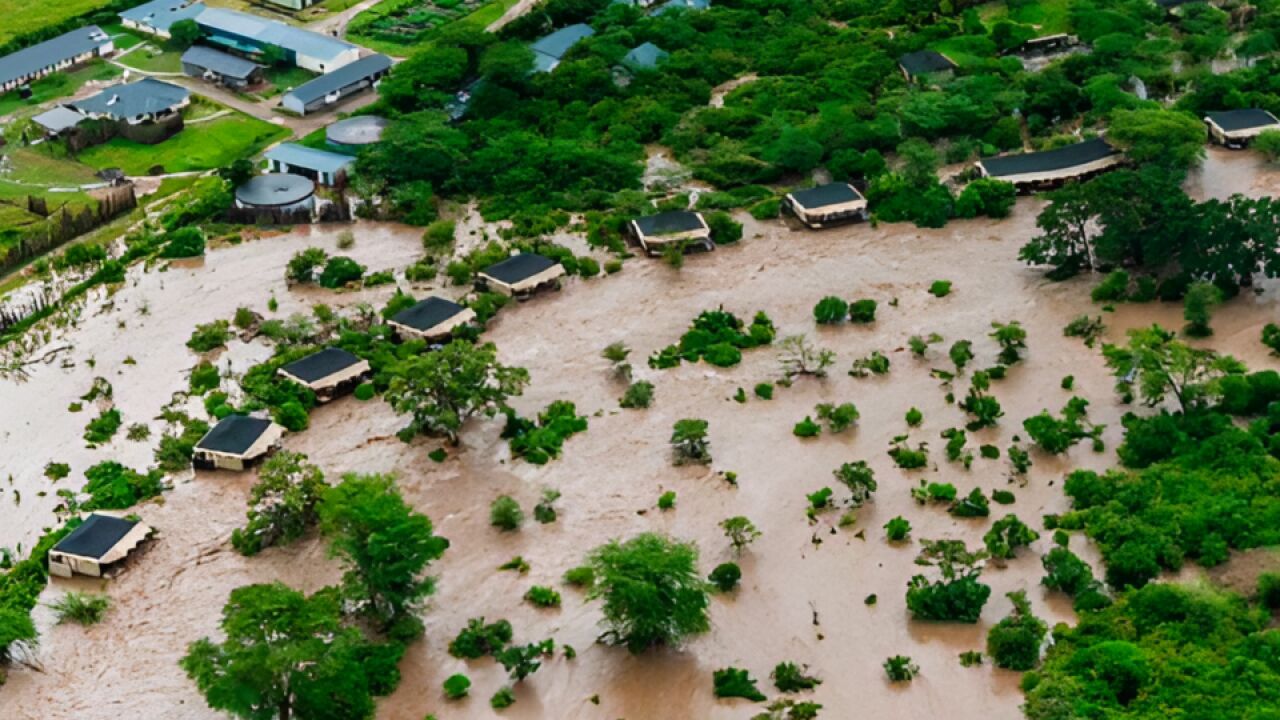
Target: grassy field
(1048, 16)
(58, 85)
(154, 58)
(431, 16)
(206, 146)
(23, 16)
(283, 79)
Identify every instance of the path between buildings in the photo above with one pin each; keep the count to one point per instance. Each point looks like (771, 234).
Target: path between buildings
(512, 13)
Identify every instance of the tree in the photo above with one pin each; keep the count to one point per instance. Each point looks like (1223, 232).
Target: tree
(1014, 642)
(282, 504)
(1007, 535)
(899, 668)
(1168, 138)
(986, 196)
(302, 266)
(285, 656)
(859, 478)
(1065, 240)
(17, 631)
(689, 442)
(185, 33)
(238, 172)
(830, 310)
(385, 544)
(956, 596)
(652, 592)
(340, 271)
(441, 390)
(1012, 339)
(800, 357)
(1158, 364)
(1197, 308)
(740, 531)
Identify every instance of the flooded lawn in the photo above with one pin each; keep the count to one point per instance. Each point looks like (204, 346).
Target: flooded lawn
(804, 586)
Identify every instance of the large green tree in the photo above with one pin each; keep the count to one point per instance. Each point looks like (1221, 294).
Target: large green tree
(285, 655)
(282, 505)
(386, 545)
(441, 390)
(652, 591)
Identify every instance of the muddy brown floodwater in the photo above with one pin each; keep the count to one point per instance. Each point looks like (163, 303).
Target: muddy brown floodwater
(799, 601)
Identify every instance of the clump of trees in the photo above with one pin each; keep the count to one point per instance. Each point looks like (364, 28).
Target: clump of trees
(1014, 642)
(1056, 436)
(718, 337)
(441, 390)
(539, 442)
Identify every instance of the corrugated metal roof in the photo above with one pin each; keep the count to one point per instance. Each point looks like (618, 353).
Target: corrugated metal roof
(301, 156)
(275, 190)
(58, 119)
(348, 74)
(162, 14)
(1233, 120)
(234, 434)
(51, 52)
(925, 61)
(96, 536)
(271, 32)
(645, 56)
(143, 97)
(219, 62)
(1049, 160)
(558, 43)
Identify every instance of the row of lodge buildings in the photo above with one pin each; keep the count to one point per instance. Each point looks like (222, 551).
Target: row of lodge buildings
(102, 542)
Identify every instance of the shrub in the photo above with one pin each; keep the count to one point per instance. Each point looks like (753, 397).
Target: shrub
(639, 394)
(1004, 497)
(725, 576)
(504, 698)
(914, 417)
(736, 682)
(184, 242)
(667, 500)
(1007, 535)
(764, 391)
(457, 686)
(907, 457)
(806, 428)
(874, 364)
(581, 576)
(1269, 590)
(542, 441)
(113, 486)
(505, 514)
(862, 311)
(897, 529)
(542, 596)
(104, 427)
(766, 209)
(724, 229)
(830, 310)
(82, 608)
(340, 271)
(986, 196)
(365, 391)
(545, 511)
(972, 505)
(838, 417)
(292, 416)
(205, 377)
(1113, 288)
(1197, 308)
(438, 237)
(1014, 642)
(478, 639)
(1271, 331)
(1268, 143)
(899, 668)
(940, 288)
(210, 336)
(302, 266)
(612, 266)
(689, 442)
(56, 471)
(955, 596)
(789, 677)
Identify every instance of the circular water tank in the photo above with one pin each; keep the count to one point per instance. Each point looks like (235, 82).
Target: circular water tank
(356, 131)
(275, 190)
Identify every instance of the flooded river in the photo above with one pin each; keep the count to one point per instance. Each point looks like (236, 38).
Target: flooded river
(803, 590)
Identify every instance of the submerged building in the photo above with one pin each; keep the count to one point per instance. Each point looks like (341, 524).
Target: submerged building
(925, 63)
(549, 50)
(236, 442)
(827, 205)
(1053, 168)
(655, 232)
(522, 275)
(433, 319)
(328, 373)
(99, 544)
(1237, 128)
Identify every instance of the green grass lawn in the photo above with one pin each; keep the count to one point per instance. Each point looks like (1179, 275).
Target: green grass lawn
(154, 58)
(284, 79)
(24, 16)
(55, 86)
(122, 37)
(206, 146)
(1049, 16)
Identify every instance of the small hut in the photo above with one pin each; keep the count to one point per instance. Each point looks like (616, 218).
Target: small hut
(236, 442)
(328, 373)
(1235, 129)
(520, 276)
(1052, 168)
(827, 205)
(925, 63)
(655, 232)
(433, 319)
(96, 546)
